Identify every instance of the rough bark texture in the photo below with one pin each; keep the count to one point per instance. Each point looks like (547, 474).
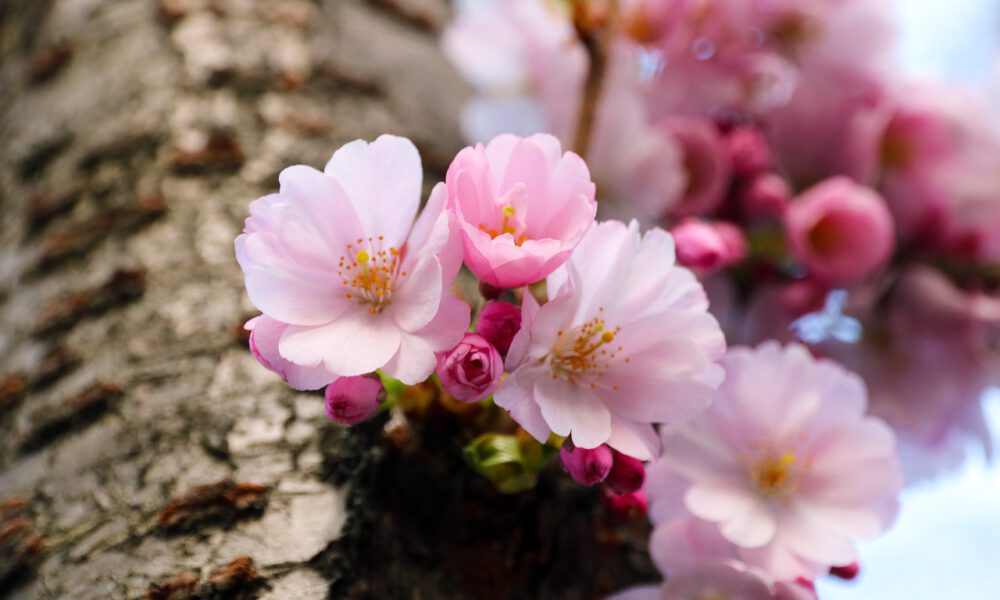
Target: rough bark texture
(143, 451)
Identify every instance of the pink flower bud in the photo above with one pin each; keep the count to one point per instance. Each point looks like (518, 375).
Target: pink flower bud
(627, 474)
(708, 246)
(498, 324)
(350, 400)
(626, 506)
(841, 231)
(846, 572)
(766, 196)
(471, 370)
(586, 466)
(749, 153)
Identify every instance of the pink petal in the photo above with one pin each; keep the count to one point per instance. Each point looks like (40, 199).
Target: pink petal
(516, 395)
(414, 362)
(284, 288)
(572, 409)
(417, 296)
(634, 439)
(382, 179)
(355, 344)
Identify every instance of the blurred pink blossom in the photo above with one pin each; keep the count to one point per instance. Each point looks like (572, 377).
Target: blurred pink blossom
(708, 247)
(841, 231)
(791, 477)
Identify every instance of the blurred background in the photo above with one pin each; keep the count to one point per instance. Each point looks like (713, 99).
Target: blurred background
(947, 541)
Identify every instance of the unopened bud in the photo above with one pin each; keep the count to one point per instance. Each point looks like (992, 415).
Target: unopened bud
(498, 323)
(586, 466)
(350, 400)
(627, 474)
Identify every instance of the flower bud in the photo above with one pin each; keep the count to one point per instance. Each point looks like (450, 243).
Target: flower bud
(626, 506)
(708, 247)
(749, 153)
(350, 400)
(471, 370)
(846, 572)
(766, 196)
(498, 323)
(586, 466)
(841, 231)
(503, 460)
(627, 474)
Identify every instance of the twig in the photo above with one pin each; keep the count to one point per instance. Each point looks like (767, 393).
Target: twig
(593, 21)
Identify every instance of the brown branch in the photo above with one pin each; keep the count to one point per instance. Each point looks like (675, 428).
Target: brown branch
(593, 21)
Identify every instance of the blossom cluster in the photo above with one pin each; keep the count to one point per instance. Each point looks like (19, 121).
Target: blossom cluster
(819, 196)
(612, 358)
(648, 180)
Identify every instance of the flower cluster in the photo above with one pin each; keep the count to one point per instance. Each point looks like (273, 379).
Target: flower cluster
(351, 282)
(758, 156)
(819, 197)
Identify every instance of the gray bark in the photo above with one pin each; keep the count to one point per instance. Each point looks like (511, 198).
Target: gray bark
(144, 452)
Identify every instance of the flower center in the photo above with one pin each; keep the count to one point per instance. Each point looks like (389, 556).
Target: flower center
(775, 475)
(586, 351)
(368, 272)
(509, 225)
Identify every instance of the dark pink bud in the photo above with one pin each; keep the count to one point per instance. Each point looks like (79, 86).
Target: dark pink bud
(498, 323)
(766, 196)
(350, 400)
(749, 153)
(586, 466)
(471, 370)
(626, 506)
(708, 247)
(847, 572)
(627, 474)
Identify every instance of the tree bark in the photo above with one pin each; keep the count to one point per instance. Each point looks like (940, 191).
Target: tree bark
(144, 452)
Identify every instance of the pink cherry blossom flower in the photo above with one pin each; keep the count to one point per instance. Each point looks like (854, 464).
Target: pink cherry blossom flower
(350, 400)
(841, 231)
(784, 465)
(337, 257)
(471, 370)
(265, 333)
(522, 206)
(625, 341)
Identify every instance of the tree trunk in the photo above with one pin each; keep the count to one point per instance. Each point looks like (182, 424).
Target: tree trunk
(144, 452)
